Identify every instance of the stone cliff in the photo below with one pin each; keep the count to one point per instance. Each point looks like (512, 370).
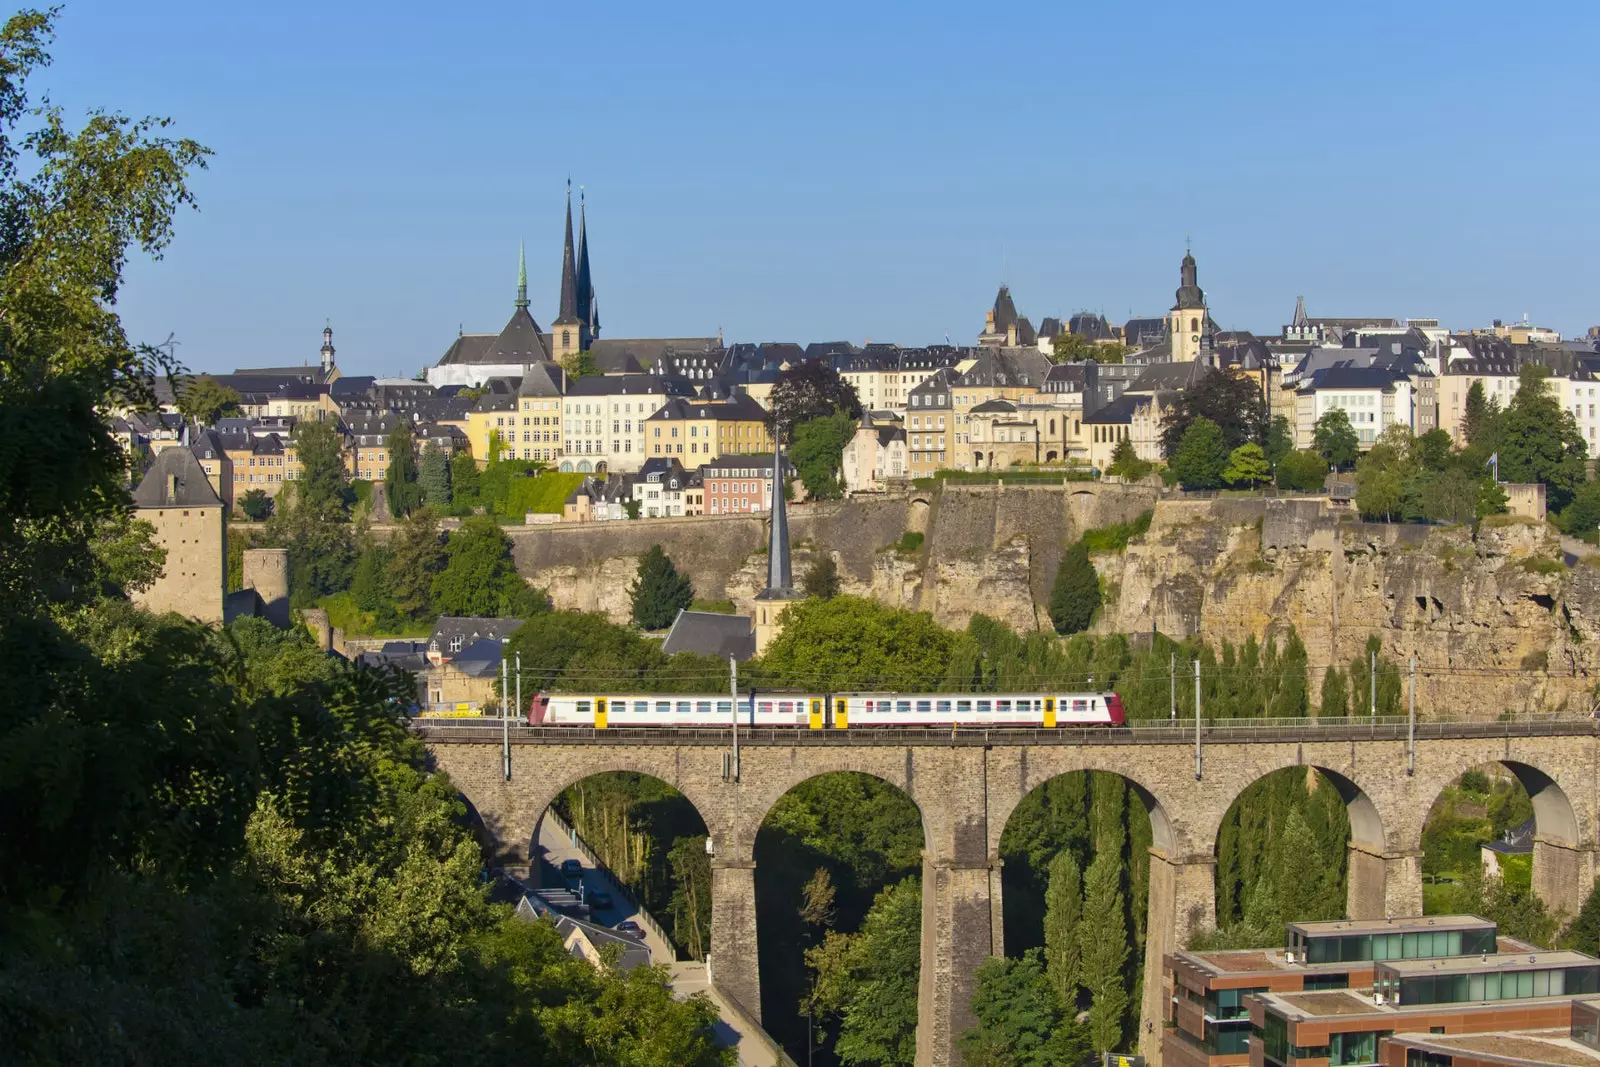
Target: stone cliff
(1498, 603)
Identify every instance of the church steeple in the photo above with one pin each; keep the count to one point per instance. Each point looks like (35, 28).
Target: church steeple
(569, 274)
(780, 578)
(588, 309)
(522, 276)
(327, 348)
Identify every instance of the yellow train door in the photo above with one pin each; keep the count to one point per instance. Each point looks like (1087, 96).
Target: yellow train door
(841, 717)
(599, 713)
(1049, 711)
(816, 713)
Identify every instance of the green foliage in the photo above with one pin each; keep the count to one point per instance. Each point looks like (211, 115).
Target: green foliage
(1510, 904)
(1075, 594)
(1103, 940)
(256, 505)
(463, 482)
(1538, 440)
(867, 981)
(433, 478)
(322, 491)
(127, 558)
(1201, 455)
(1480, 421)
(1068, 347)
(1335, 439)
(1114, 538)
(322, 552)
(480, 578)
(851, 643)
(817, 452)
(659, 592)
(205, 400)
(400, 478)
(1247, 466)
(1020, 1020)
(417, 555)
(1234, 406)
(811, 389)
(1584, 932)
(1335, 703)
(574, 651)
(1126, 464)
(1063, 913)
(910, 543)
(821, 579)
(1581, 517)
(716, 607)
(544, 493)
(1280, 441)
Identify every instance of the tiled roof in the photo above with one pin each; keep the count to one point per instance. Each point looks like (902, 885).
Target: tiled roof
(192, 488)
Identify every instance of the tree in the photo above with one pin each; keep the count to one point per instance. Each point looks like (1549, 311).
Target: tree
(1063, 913)
(400, 478)
(811, 389)
(1335, 440)
(434, 479)
(821, 579)
(1020, 1022)
(1068, 347)
(1076, 592)
(855, 643)
(659, 592)
(1302, 471)
(1335, 700)
(1379, 494)
(417, 556)
(128, 557)
(205, 400)
(1479, 422)
(1584, 932)
(1280, 440)
(1539, 440)
(256, 505)
(817, 452)
(1125, 462)
(1432, 451)
(1202, 455)
(479, 577)
(1247, 465)
(1581, 518)
(1233, 405)
(463, 482)
(323, 489)
(1103, 938)
(581, 364)
(868, 980)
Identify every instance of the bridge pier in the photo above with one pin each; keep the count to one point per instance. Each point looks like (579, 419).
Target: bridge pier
(1383, 883)
(734, 966)
(1182, 903)
(1562, 875)
(957, 936)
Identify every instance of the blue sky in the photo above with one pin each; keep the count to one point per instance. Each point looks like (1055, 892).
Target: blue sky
(833, 171)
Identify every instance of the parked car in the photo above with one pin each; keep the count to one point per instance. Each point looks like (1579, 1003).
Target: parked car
(599, 898)
(631, 928)
(571, 869)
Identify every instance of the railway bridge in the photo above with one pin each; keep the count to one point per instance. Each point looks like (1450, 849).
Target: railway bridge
(967, 783)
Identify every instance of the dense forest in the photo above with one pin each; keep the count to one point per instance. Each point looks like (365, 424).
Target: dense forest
(216, 845)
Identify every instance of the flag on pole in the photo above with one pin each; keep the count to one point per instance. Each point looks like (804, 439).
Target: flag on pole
(1494, 462)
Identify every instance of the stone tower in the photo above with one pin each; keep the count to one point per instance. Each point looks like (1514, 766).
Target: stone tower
(177, 499)
(327, 351)
(772, 600)
(1186, 322)
(266, 570)
(569, 334)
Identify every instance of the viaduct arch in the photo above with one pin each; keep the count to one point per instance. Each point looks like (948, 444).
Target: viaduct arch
(967, 787)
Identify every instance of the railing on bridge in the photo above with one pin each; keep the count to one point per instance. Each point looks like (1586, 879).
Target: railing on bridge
(1156, 731)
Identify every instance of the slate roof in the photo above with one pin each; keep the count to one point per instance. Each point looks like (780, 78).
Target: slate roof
(994, 406)
(543, 379)
(1342, 376)
(480, 659)
(1165, 377)
(1049, 327)
(712, 634)
(1006, 367)
(469, 628)
(1517, 841)
(629, 385)
(1117, 412)
(1005, 310)
(193, 488)
(1143, 332)
(759, 461)
(631, 355)
(1089, 326)
(468, 348)
(738, 408)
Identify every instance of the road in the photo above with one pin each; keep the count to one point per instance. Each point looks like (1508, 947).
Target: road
(753, 1048)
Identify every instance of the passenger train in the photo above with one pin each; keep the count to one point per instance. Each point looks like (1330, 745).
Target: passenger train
(828, 711)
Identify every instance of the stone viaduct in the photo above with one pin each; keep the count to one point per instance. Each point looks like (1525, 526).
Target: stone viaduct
(967, 786)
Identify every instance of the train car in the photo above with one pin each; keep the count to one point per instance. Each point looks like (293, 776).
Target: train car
(824, 711)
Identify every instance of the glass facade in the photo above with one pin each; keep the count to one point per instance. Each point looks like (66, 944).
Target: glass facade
(1225, 1004)
(1466, 988)
(1415, 1057)
(1415, 945)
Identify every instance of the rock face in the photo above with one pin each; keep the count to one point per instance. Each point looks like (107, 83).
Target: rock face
(1498, 605)
(1496, 622)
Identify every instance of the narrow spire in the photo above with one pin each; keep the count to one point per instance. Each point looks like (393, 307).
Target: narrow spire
(780, 579)
(569, 273)
(522, 275)
(1300, 319)
(587, 313)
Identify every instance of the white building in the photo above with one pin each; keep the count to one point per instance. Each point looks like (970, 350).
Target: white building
(603, 419)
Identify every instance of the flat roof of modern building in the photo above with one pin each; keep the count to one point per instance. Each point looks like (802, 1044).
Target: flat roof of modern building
(1541, 1047)
(1346, 927)
(1347, 1002)
(1496, 964)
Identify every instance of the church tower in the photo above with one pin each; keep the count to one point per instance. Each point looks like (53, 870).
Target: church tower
(588, 306)
(327, 352)
(780, 591)
(569, 334)
(1186, 322)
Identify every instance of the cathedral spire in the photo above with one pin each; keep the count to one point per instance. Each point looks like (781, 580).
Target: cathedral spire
(522, 276)
(588, 314)
(780, 578)
(569, 273)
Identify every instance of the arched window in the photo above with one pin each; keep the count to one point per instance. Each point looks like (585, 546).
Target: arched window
(1194, 325)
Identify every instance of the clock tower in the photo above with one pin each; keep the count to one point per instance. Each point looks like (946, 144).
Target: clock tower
(1186, 322)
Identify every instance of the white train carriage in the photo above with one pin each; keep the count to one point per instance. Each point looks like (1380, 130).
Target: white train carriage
(819, 711)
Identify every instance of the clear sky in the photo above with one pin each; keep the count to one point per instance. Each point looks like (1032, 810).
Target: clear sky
(830, 171)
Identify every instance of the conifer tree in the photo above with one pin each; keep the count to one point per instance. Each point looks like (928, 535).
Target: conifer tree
(1076, 592)
(405, 496)
(1063, 914)
(434, 478)
(1335, 698)
(1103, 937)
(660, 592)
